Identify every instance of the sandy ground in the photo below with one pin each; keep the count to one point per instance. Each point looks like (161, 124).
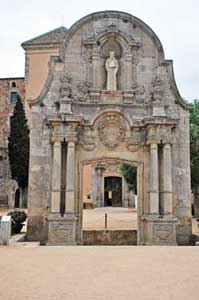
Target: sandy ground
(117, 218)
(99, 273)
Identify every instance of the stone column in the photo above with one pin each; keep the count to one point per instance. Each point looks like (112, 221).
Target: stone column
(128, 72)
(56, 178)
(70, 178)
(167, 180)
(99, 187)
(94, 186)
(154, 184)
(96, 69)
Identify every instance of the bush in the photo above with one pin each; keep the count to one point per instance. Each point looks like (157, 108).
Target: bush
(18, 218)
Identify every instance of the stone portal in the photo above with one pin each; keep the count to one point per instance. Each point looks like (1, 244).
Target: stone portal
(110, 98)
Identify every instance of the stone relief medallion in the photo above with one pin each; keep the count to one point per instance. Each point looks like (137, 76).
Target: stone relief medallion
(112, 130)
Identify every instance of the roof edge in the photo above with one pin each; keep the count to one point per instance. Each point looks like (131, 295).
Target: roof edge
(28, 42)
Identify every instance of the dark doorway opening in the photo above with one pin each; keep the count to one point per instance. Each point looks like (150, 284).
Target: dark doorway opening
(113, 191)
(17, 198)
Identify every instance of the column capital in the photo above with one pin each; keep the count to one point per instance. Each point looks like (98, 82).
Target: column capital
(167, 146)
(56, 139)
(71, 144)
(153, 146)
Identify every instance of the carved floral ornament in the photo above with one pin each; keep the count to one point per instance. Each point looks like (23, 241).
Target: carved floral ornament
(112, 130)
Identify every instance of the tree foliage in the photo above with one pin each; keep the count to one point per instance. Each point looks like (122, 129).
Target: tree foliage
(130, 175)
(18, 145)
(194, 145)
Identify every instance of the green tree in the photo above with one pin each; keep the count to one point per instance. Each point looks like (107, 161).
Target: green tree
(18, 145)
(130, 175)
(194, 153)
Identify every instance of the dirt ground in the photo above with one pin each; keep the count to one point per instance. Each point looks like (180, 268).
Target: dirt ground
(117, 218)
(99, 273)
(30, 272)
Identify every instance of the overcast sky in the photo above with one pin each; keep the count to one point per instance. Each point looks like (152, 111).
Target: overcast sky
(176, 22)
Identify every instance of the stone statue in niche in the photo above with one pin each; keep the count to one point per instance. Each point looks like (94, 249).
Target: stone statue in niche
(112, 67)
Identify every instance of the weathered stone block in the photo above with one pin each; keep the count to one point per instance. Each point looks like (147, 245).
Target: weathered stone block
(5, 230)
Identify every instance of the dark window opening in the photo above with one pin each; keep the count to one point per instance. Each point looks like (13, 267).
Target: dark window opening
(13, 84)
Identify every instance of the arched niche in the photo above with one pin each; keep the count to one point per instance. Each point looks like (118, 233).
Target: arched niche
(99, 45)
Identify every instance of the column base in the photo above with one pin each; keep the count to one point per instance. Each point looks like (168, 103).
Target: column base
(62, 230)
(159, 230)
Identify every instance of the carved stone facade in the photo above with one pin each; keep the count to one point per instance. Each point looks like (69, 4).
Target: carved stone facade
(77, 121)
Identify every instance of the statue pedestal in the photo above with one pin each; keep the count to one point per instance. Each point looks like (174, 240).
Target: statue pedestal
(158, 110)
(159, 230)
(62, 230)
(111, 97)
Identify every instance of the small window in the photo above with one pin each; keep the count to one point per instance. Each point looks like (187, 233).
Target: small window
(13, 97)
(13, 84)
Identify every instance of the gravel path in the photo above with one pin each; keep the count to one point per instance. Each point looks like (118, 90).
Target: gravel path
(99, 273)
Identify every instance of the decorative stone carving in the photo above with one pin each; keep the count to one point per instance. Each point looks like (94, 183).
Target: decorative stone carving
(112, 130)
(82, 93)
(163, 232)
(137, 140)
(113, 166)
(161, 133)
(66, 93)
(87, 139)
(139, 93)
(112, 66)
(157, 91)
(66, 87)
(92, 37)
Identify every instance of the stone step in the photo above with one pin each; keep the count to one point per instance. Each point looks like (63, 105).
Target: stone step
(110, 237)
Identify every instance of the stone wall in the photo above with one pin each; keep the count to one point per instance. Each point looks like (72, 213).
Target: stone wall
(7, 193)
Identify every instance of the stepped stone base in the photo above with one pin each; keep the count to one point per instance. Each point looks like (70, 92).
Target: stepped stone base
(62, 230)
(160, 230)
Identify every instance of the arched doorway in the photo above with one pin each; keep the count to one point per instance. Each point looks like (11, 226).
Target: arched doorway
(113, 191)
(123, 222)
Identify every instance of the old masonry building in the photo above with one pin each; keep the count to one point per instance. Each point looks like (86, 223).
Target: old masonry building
(108, 97)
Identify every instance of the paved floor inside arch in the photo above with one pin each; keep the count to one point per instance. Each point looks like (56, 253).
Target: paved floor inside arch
(117, 218)
(99, 273)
